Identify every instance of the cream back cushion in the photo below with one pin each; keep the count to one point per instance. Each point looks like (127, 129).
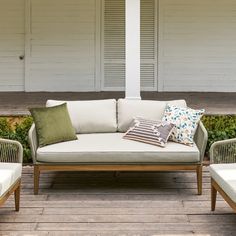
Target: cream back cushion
(95, 116)
(147, 109)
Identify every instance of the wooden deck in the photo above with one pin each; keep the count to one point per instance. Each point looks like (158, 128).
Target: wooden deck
(126, 204)
(18, 103)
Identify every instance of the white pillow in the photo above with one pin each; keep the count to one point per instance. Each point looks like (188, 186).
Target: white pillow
(147, 109)
(95, 116)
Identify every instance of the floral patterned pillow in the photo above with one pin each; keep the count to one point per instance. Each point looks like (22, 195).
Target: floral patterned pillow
(186, 121)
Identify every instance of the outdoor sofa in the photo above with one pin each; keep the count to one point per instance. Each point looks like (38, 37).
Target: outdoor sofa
(100, 126)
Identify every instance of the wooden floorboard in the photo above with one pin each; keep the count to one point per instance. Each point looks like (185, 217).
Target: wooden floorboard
(18, 103)
(104, 203)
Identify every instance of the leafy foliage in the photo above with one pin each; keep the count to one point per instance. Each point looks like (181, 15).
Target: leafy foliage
(17, 131)
(219, 128)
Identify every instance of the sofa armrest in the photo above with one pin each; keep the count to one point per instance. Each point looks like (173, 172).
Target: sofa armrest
(200, 138)
(223, 151)
(32, 136)
(11, 151)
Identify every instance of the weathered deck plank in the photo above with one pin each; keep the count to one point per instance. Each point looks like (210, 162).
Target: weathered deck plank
(83, 203)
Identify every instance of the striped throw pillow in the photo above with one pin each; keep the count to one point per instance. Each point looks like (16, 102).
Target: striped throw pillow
(149, 131)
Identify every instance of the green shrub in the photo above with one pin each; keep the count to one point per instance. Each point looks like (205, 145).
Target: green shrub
(21, 135)
(219, 128)
(17, 131)
(5, 128)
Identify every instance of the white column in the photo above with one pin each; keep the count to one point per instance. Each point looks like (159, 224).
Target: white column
(132, 78)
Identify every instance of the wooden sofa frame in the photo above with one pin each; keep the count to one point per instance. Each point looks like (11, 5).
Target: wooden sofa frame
(216, 188)
(39, 168)
(15, 188)
(200, 140)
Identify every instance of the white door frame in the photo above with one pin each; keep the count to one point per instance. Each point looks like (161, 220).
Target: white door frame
(160, 81)
(132, 49)
(27, 43)
(98, 82)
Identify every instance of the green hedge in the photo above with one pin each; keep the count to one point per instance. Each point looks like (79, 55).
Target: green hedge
(17, 129)
(218, 127)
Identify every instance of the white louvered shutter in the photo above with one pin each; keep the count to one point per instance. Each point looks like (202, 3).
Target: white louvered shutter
(114, 45)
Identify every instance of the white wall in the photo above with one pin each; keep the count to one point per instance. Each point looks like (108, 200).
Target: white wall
(11, 45)
(197, 50)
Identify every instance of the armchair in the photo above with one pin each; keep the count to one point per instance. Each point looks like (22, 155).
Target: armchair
(11, 158)
(223, 172)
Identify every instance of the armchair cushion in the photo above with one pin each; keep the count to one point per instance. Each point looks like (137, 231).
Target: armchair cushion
(9, 174)
(225, 177)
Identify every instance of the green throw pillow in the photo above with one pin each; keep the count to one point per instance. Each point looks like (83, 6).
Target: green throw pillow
(53, 125)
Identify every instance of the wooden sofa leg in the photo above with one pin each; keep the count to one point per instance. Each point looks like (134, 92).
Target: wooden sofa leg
(17, 198)
(213, 196)
(36, 180)
(199, 179)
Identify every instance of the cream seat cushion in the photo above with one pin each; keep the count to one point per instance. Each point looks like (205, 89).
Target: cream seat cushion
(225, 177)
(9, 174)
(112, 148)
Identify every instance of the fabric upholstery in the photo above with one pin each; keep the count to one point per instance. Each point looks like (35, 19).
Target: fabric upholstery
(112, 148)
(186, 121)
(149, 131)
(9, 174)
(98, 116)
(53, 124)
(148, 109)
(225, 177)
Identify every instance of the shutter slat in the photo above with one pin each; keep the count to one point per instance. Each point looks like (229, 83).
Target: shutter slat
(114, 29)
